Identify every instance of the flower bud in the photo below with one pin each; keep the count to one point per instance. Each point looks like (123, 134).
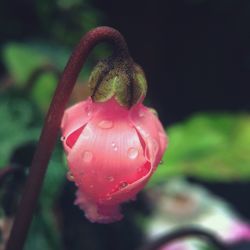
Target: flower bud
(112, 141)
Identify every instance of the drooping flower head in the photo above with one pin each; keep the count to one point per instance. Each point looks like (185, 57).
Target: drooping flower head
(112, 141)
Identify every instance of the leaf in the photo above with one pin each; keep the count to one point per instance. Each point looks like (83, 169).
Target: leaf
(16, 116)
(43, 233)
(45, 227)
(208, 146)
(21, 60)
(54, 179)
(43, 90)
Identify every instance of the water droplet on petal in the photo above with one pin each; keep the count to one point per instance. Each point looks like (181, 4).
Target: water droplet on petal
(88, 111)
(141, 113)
(110, 178)
(142, 131)
(62, 138)
(114, 146)
(105, 124)
(87, 156)
(161, 162)
(133, 153)
(70, 176)
(123, 185)
(91, 186)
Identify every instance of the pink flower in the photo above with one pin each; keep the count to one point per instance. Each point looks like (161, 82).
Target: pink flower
(111, 151)
(238, 231)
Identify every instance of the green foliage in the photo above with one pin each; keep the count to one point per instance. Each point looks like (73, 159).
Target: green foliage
(45, 233)
(43, 90)
(16, 129)
(208, 146)
(16, 118)
(208, 248)
(21, 61)
(78, 17)
(20, 110)
(54, 178)
(20, 124)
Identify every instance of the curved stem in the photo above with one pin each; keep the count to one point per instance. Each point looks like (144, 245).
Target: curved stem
(182, 233)
(49, 133)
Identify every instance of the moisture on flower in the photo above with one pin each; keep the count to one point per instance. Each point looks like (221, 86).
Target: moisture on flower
(112, 151)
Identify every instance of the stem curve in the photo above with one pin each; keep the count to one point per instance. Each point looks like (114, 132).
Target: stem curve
(51, 126)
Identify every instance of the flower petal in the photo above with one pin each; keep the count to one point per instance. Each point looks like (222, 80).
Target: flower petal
(107, 158)
(75, 118)
(95, 212)
(111, 154)
(152, 132)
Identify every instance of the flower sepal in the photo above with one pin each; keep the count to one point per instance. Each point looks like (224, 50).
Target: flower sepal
(118, 77)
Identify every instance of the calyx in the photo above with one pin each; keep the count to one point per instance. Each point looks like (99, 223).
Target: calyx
(118, 77)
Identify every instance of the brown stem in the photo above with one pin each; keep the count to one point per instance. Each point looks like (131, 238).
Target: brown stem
(183, 233)
(51, 126)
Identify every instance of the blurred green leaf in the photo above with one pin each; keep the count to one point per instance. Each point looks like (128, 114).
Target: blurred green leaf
(54, 179)
(21, 60)
(18, 127)
(56, 54)
(16, 118)
(208, 248)
(43, 90)
(208, 146)
(45, 233)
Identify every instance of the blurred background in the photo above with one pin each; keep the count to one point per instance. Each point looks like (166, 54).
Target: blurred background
(196, 57)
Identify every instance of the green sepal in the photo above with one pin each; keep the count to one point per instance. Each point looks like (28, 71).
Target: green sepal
(120, 78)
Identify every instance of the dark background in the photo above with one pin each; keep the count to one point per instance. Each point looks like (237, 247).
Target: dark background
(196, 54)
